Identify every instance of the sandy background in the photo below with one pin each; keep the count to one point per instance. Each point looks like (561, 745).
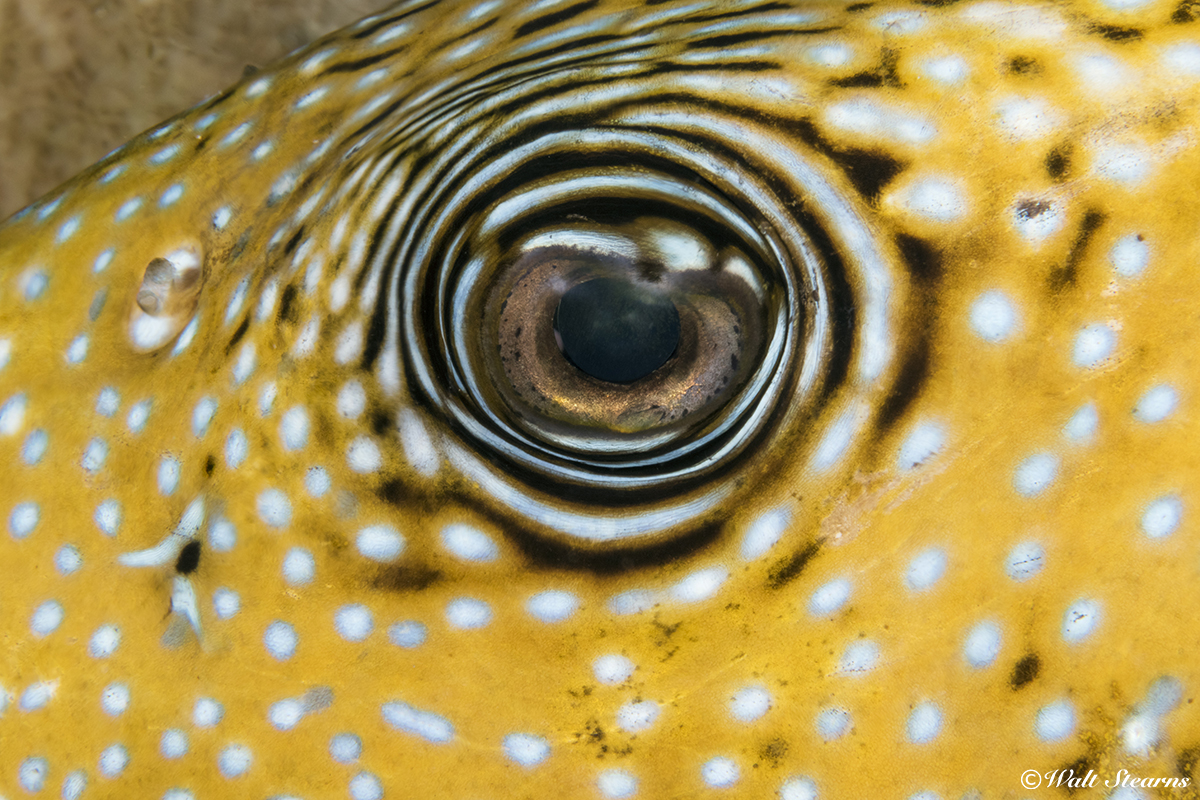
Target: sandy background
(80, 77)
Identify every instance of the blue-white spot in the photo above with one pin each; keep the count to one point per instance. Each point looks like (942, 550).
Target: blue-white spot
(353, 622)
(365, 786)
(103, 260)
(468, 613)
(750, 704)
(68, 229)
(168, 475)
(833, 723)
(923, 443)
(293, 428)
(1055, 721)
(1035, 474)
(380, 543)
(173, 744)
(1080, 620)
(1082, 425)
(407, 634)
(1156, 404)
(468, 543)
(165, 155)
(202, 416)
(34, 447)
(924, 723)
(552, 605)
(801, 788)
(226, 603)
(1094, 344)
(612, 669)
(46, 618)
(68, 560)
(1024, 561)
(138, 415)
(115, 699)
(221, 217)
(222, 536)
(859, 658)
(1162, 516)
(993, 316)
(171, 195)
(425, 724)
(299, 567)
(1130, 255)
(235, 760)
(829, 598)
(616, 784)
(317, 482)
(207, 713)
(764, 532)
(236, 448)
(274, 508)
(526, 749)
(345, 748)
(637, 716)
(128, 209)
(926, 569)
(108, 402)
(280, 639)
(23, 519)
(104, 641)
(77, 350)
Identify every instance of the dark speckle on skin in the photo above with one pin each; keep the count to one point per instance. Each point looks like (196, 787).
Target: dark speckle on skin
(1024, 671)
(189, 558)
(788, 568)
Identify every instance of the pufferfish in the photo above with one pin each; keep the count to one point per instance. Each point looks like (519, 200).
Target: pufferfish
(599, 399)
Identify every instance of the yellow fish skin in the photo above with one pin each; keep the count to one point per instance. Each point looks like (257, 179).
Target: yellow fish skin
(310, 490)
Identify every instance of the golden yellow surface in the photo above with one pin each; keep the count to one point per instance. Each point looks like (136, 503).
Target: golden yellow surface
(996, 403)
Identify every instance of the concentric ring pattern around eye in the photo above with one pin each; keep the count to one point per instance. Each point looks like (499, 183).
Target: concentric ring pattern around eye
(786, 300)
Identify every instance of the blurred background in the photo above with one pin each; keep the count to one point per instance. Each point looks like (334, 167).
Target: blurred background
(80, 77)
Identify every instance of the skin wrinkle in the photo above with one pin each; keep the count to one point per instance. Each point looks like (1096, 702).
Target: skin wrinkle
(957, 542)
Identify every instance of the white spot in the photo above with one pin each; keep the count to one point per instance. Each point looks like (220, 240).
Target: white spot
(1082, 425)
(138, 414)
(349, 343)
(351, 400)
(12, 414)
(115, 699)
(798, 789)
(307, 338)
(113, 760)
(1035, 474)
(634, 717)
(764, 532)
(526, 749)
(299, 567)
(407, 634)
(993, 317)
(1027, 118)
(165, 155)
(339, 293)
(266, 397)
(552, 605)
(1055, 721)
(345, 748)
(108, 402)
(23, 519)
(425, 724)
(616, 784)
(236, 448)
(859, 658)
(236, 299)
(353, 622)
(1140, 734)
(46, 618)
(32, 774)
(1036, 219)
(234, 760)
(1080, 620)
(468, 613)
(293, 428)
(261, 151)
(202, 416)
(1183, 58)
(699, 585)
(836, 441)
(317, 482)
(363, 456)
(926, 569)
(750, 704)
(280, 639)
(418, 447)
(221, 217)
(74, 784)
(173, 744)
(924, 723)
(934, 199)
(612, 669)
(274, 508)
(1129, 256)
(285, 714)
(34, 447)
(68, 560)
(78, 349)
(923, 443)
(1157, 404)
(833, 723)
(226, 603)
(633, 601)
(469, 543)
(380, 543)
(876, 120)
(720, 772)
(108, 517)
(829, 598)
(982, 644)
(104, 641)
(5, 353)
(244, 366)
(37, 695)
(1162, 516)
(365, 786)
(1122, 163)
(1024, 561)
(222, 536)
(185, 338)
(168, 475)
(68, 229)
(170, 196)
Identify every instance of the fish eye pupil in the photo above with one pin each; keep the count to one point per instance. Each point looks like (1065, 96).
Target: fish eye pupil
(615, 330)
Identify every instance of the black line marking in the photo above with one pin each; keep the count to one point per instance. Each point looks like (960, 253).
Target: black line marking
(1116, 33)
(238, 334)
(554, 18)
(788, 568)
